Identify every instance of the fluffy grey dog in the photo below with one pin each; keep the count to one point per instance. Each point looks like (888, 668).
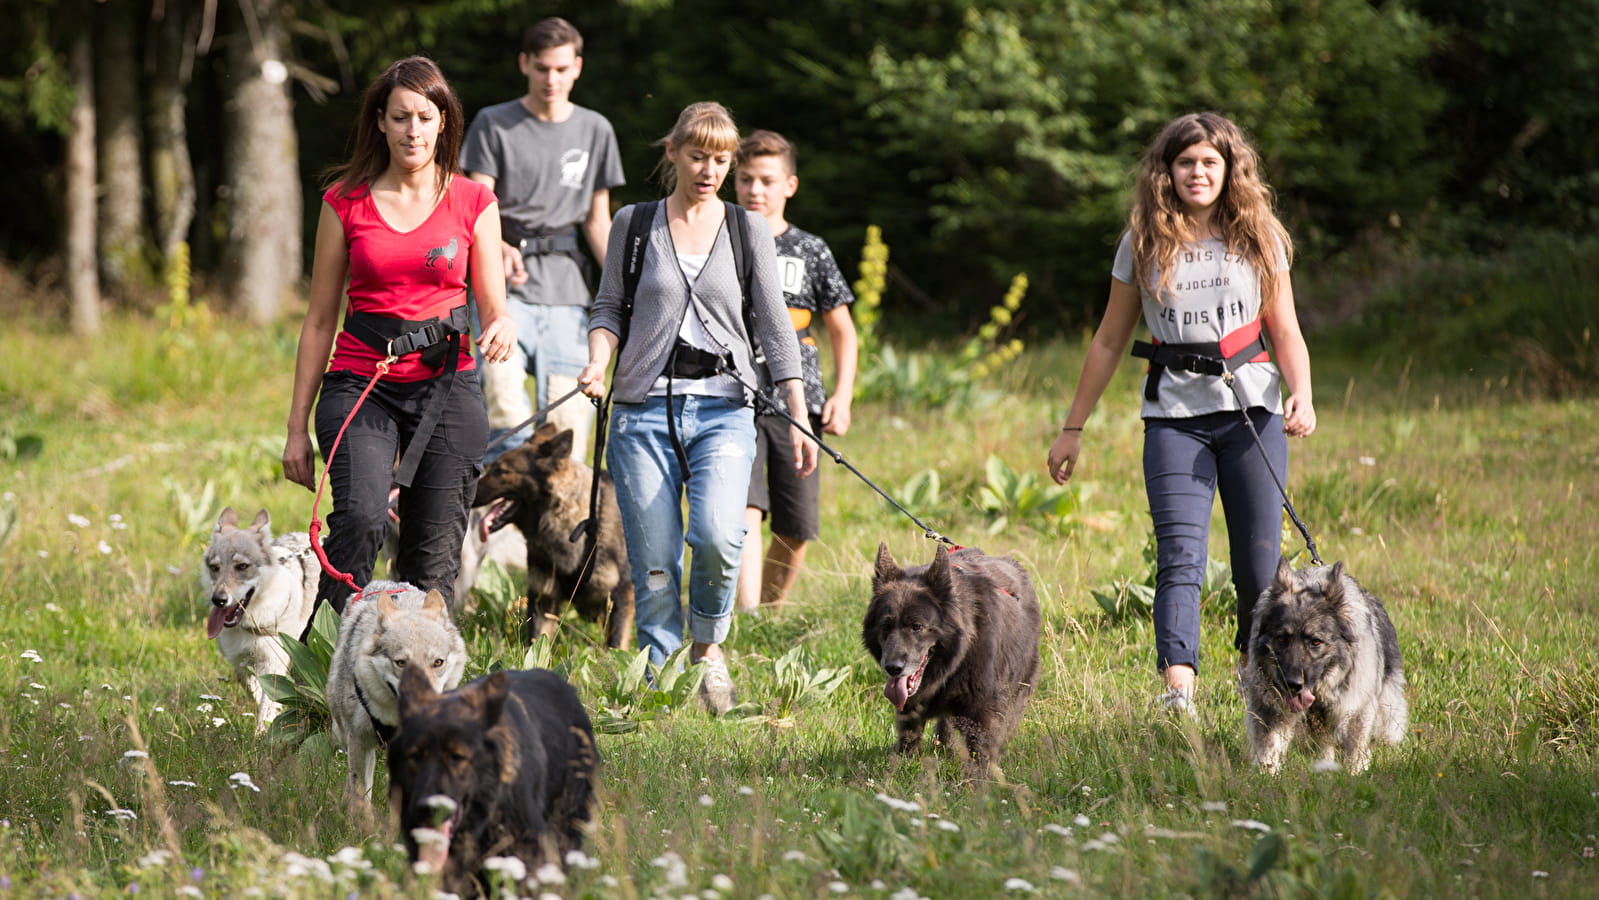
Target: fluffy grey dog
(1323, 660)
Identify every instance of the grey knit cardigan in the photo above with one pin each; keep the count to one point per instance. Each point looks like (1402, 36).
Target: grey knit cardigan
(662, 301)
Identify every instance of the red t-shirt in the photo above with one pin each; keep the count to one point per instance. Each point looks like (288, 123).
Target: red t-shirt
(416, 274)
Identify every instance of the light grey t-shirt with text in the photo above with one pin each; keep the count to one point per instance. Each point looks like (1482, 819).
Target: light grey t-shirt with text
(1212, 293)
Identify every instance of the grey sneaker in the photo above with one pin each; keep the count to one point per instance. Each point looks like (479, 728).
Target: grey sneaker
(717, 693)
(1178, 700)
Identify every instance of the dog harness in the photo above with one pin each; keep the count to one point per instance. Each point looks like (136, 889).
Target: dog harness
(1238, 347)
(438, 340)
(382, 729)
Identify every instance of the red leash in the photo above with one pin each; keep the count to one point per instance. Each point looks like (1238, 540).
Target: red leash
(316, 524)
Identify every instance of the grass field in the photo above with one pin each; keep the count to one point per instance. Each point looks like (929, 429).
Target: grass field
(1467, 504)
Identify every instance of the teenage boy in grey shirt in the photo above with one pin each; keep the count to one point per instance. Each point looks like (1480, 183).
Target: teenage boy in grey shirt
(552, 164)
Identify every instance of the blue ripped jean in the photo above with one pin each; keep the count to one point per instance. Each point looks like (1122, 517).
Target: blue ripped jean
(718, 435)
(1186, 463)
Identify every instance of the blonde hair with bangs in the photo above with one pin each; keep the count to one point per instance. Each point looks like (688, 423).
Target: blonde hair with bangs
(706, 125)
(1244, 217)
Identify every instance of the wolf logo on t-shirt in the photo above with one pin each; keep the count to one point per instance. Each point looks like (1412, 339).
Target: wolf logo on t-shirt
(574, 165)
(446, 253)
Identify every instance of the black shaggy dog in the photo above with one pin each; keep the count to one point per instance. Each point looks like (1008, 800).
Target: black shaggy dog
(958, 640)
(544, 492)
(1323, 661)
(503, 766)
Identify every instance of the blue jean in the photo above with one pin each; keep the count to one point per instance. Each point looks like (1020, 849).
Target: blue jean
(1186, 461)
(552, 342)
(718, 435)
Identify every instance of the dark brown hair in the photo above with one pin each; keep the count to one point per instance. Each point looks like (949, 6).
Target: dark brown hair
(552, 32)
(371, 154)
(765, 143)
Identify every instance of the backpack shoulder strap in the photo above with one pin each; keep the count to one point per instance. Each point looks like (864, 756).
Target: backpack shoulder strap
(743, 260)
(638, 240)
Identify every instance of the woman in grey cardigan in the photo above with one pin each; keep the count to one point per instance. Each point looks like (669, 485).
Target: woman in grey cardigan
(678, 425)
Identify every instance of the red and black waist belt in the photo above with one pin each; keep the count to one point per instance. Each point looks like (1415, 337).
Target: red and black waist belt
(438, 340)
(1208, 358)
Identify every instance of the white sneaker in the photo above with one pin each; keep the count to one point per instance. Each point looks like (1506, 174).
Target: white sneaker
(1179, 700)
(717, 693)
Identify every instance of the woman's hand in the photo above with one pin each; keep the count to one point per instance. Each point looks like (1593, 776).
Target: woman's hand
(592, 380)
(498, 339)
(1063, 455)
(1299, 416)
(299, 462)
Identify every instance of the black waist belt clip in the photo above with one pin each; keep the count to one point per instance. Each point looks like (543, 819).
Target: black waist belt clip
(1204, 358)
(535, 242)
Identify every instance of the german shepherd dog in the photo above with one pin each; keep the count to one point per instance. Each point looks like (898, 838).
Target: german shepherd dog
(388, 629)
(958, 640)
(545, 493)
(258, 588)
(503, 766)
(1323, 660)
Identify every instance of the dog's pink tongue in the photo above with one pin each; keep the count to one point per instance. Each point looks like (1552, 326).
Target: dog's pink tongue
(898, 691)
(1301, 701)
(213, 622)
(437, 852)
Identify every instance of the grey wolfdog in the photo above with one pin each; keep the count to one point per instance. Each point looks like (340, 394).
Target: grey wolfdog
(258, 588)
(387, 628)
(958, 640)
(1323, 659)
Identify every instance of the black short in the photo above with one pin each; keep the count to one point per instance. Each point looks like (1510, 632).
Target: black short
(793, 503)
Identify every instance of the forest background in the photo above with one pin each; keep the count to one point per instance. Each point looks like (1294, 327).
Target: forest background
(159, 144)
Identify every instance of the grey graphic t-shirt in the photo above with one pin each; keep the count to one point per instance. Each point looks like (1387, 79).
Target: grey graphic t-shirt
(812, 285)
(545, 175)
(1212, 293)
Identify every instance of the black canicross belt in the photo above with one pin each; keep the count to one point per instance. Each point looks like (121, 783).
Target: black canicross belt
(1205, 358)
(439, 341)
(537, 242)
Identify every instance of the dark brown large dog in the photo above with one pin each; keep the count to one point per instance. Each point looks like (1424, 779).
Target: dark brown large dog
(958, 640)
(540, 489)
(503, 766)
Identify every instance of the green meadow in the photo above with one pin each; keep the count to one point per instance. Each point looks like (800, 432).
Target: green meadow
(1466, 497)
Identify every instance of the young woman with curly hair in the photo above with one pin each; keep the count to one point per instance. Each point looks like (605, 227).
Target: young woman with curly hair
(1204, 262)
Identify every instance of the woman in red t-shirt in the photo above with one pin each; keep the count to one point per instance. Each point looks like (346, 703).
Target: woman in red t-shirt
(401, 231)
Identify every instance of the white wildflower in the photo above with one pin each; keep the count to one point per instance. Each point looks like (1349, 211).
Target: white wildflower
(209, 697)
(512, 867)
(189, 890)
(1251, 823)
(157, 857)
(577, 859)
(794, 856)
(550, 873)
(103, 547)
(218, 722)
(946, 825)
(1539, 873)
(1061, 830)
(1082, 821)
(32, 655)
(1061, 873)
(242, 779)
(722, 882)
(1018, 884)
(117, 523)
(429, 836)
(297, 866)
(745, 790)
(77, 520)
(182, 784)
(37, 686)
(676, 870)
(350, 858)
(1327, 764)
(895, 803)
(1368, 460)
(906, 893)
(1214, 806)
(126, 815)
(204, 708)
(838, 887)
(705, 800)
(44, 554)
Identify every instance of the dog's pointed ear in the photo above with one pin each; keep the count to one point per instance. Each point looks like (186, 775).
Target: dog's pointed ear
(492, 696)
(558, 447)
(1284, 579)
(938, 577)
(1335, 584)
(434, 605)
(386, 605)
(415, 690)
(228, 520)
(887, 570)
(263, 519)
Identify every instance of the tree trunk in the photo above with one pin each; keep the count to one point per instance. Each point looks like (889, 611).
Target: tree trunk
(116, 91)
(83, 281)
(170, 51)
(260, 170)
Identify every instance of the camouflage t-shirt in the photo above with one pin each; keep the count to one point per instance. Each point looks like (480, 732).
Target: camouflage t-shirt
(812, 285)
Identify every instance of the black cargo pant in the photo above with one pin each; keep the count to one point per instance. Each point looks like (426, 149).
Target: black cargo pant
(432, 511)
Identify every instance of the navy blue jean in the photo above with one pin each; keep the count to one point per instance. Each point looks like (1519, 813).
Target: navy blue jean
(1186, 462)
(432, 510)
